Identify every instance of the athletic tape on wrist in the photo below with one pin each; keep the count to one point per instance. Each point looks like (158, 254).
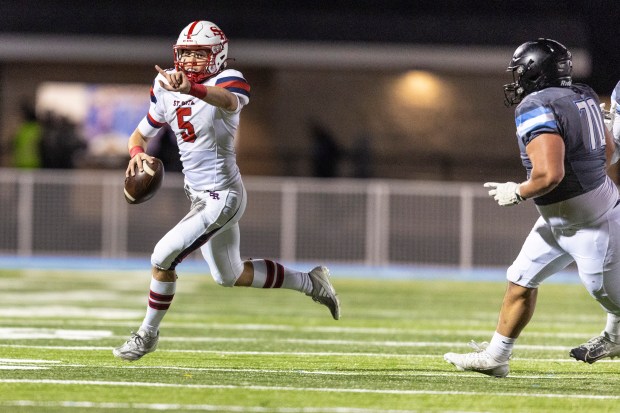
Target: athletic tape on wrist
(198, 90)
(135, 150)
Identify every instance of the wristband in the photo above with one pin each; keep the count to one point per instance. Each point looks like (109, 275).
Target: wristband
(518, 193)
(135, 150)
(198, 90)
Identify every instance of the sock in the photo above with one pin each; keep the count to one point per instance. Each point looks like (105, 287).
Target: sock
(271, 274)
(612, 329)
(500, 347)
(160, 298)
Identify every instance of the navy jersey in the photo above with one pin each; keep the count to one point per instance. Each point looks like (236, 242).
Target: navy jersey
(574, 114)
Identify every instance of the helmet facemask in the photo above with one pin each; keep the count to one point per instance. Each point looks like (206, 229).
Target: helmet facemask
(211, 64)
(515, 92)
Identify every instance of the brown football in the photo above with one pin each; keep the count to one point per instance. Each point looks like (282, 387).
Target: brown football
(143, 185)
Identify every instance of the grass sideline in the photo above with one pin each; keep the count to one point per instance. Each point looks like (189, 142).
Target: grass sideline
(250, 350)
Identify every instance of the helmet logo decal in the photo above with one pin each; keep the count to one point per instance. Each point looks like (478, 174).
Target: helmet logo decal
(218, 32)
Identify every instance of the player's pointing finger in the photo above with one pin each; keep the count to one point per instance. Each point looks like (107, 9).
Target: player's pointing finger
(161, 71)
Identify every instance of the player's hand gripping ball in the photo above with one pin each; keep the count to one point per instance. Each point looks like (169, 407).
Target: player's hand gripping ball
(143, 185)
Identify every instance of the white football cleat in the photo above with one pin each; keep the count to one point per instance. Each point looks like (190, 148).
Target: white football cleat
(323, 292)
(479, 361)
(138, 345)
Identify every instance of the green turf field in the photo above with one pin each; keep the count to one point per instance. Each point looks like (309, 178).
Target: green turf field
(249, 350)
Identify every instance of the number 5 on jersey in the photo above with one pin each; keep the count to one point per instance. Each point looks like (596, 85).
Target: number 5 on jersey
(189, 134)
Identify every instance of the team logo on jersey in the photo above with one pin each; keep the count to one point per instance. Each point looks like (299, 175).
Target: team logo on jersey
(214, 195)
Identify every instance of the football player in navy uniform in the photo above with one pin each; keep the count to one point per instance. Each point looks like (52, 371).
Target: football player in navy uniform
(565, 149)
(201, 100)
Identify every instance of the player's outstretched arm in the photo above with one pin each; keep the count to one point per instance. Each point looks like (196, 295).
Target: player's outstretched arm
(216, 96)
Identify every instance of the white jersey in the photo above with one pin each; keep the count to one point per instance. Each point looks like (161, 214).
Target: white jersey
(205, 133)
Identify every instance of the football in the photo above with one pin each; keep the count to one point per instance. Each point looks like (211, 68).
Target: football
(143, 185)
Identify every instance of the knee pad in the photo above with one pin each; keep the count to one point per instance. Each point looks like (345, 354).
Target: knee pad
(162, 257)
(602, 297)
(224, 280)
(517, 276)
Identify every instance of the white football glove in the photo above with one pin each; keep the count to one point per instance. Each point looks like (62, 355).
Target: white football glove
(505, 194)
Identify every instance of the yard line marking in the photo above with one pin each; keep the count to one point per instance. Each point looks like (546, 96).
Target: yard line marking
(249, 353)
(33, 333)
(283, 353)
(74, 335)
(412, 373)
(201, 407)
(314, 329)
(70, 312)
(25, 364)
(307, 389)
(351, 342)
(29, 361)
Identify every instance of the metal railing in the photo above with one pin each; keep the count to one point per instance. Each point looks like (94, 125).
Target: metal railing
(372, 222)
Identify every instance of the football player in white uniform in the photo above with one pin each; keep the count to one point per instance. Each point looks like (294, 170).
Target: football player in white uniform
(201, 100)
(613, 119)
(565, 149)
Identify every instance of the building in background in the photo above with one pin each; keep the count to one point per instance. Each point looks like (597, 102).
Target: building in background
(428, 78)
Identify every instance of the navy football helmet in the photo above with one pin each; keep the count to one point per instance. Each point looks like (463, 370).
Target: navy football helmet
(537, 65)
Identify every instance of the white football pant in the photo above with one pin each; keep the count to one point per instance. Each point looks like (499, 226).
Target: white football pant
(594, 248)
(211, 225)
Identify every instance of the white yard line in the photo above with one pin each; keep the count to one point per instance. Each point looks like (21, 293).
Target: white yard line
(381, 373)
(124, 384)
(29, 364)
(200, 407)
(313, 329)
(10, 367)
(289, 353)
(29, 361)
(409, 344)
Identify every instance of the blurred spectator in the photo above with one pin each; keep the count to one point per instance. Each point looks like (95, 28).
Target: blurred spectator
(60, 142)
(27, 139)
(326, 153)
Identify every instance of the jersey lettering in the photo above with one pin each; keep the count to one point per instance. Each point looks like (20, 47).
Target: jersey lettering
(591, 121)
